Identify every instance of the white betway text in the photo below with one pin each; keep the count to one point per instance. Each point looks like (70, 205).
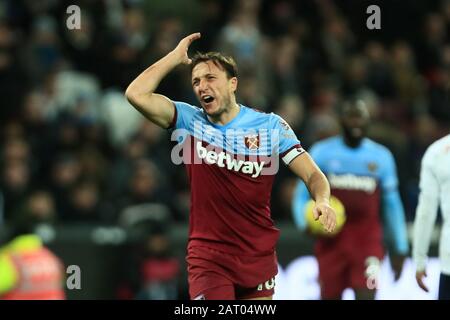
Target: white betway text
(353, 182)
(223, 159)
(255, 161)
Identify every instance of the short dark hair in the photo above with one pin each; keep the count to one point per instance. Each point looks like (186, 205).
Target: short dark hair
(223, 62)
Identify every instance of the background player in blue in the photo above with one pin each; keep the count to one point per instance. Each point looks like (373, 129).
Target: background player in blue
(232, 238)
(362, 175)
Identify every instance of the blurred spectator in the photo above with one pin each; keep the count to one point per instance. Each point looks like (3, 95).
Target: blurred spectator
(39, 207)
(408, 84)
(355, 75)
(154, 270)
(120, 122)
(15, 150)
(169, 31)
(159, 269)
(379, 73)
(242, 39)
(156, 141)
(65, 172)
(83, 47)
(93, 164)
(280, 16)
(127, 45)
(320, 127)
(36, 125)
(446, 9)
(43, 52)
(287, 78)
(14, 79)
(434, 37)
(67, 135)
(213, 15)
(439, 100)
(71, 93)
(28, 269)
(143, 186)
(15, 184)
(84, 203)
(13, 129)
(337, 41)
(123, 165)
(292, 107)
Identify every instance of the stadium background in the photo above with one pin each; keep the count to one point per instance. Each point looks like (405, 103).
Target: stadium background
(75, 153)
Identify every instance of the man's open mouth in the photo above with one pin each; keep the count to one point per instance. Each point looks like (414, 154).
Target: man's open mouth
(207, 99)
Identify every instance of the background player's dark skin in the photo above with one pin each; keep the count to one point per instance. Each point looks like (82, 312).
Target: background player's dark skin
(354, 120)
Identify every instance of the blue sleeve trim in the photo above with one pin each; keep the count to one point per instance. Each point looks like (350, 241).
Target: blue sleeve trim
(395, 224)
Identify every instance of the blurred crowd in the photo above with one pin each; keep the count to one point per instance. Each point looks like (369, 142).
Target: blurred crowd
(73, 150)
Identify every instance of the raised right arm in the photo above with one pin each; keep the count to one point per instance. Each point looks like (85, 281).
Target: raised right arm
(140, 93)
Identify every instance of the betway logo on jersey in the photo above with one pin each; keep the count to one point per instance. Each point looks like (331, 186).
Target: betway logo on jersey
(252, 152)
(352, 182)
(224, 160)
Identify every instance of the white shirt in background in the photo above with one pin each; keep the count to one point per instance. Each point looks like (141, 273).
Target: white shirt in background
(434, 192)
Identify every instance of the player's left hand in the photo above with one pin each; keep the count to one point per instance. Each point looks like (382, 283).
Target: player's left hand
(326, 215)
(397, 262)
(420, 274)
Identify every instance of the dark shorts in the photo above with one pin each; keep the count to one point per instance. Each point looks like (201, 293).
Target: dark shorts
(341, 269)
(444, 287)
(217, 275)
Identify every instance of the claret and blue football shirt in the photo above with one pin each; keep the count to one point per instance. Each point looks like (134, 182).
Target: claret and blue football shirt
(231, 169)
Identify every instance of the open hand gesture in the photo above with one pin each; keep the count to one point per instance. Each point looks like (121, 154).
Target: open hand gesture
(181, 51)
